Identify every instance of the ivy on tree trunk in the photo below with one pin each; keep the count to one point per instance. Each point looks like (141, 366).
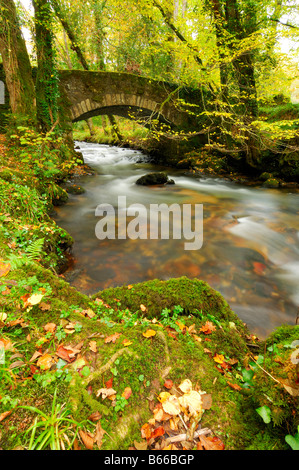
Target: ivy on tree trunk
(47, 88)
(16, 63)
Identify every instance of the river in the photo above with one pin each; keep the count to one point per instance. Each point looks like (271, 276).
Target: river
(250, 250)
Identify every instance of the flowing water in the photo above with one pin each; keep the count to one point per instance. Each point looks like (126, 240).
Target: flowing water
(250, 250)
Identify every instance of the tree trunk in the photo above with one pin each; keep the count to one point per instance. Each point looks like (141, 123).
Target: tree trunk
(16, 63)
(47, 90)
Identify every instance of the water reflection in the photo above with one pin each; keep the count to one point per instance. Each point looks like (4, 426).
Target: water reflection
(250, 251)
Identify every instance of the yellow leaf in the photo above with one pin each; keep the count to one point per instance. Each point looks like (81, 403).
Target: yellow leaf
(35, 299)
(219, 358)
(149, 333)
(163, 396)
(142, 307)
(191, 401)
(171, 406)
(45, 362)
(4, 268)
(186, 386)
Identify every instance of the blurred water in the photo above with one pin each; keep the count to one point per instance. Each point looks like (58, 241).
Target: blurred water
(250, 249)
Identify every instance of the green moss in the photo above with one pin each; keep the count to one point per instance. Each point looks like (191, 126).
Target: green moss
(192, 294)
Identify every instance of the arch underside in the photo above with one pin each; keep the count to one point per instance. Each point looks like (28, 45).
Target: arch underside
(142, 115)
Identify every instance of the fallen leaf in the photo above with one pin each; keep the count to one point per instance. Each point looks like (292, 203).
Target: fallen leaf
(87, 313)
(3, 316)
(87, 439)
(234, 386)
(95, 416)
(64, 353)
(159, 431)
(127, 393)
(146, 431)
(206, 401)
(208, 328)
(5, 414)
(140, 445)
(45, 362)
(112, 338)
(105, 392)
(149, 333)
(126, 342)
(99, 433)
(93, 346)
(44, 307)
(168, 384)
(186, 386)
(211, 443)
(219, 358)
(142, 307)
(4, 268)
(35, 299)
(50, 327)
(171, 406)
(109, 383)
(192, 402)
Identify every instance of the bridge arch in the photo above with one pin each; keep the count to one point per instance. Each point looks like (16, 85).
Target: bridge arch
(90, 93)
(129, 106)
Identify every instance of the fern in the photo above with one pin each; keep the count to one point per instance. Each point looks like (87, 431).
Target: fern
(34, 250)
(17, 262)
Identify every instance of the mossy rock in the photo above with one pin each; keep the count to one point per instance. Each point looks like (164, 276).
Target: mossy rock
(74, 189)
(271, 183)
(193, 295)
(60, 197)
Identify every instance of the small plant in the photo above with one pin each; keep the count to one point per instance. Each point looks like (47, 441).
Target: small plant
(53, 430)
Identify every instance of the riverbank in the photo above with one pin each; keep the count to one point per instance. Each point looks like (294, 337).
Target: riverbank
(90, 351)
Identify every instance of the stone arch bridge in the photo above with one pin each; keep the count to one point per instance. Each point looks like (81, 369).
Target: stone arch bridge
(84, 94)
(90, 93)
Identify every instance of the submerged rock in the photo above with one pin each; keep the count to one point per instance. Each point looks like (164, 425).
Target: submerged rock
(152, 179)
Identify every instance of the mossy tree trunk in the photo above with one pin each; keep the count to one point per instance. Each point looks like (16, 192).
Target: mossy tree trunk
(16, 63)
(47, 88)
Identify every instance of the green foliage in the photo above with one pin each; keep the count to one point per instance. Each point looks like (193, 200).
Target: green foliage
(55, 431)
(293, 441)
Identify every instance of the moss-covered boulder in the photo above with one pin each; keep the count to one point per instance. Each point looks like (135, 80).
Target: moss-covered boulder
(193, 295)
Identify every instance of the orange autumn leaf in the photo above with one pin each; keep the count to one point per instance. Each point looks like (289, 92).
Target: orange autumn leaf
(109, 383)
(64, 354)
(45, 362)
(159, 431)
(112, 338)
(208, 328)
(5, 414)
(211, 443)
(234, 386)
(127, 393)
(168, 384)
(146, 431)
